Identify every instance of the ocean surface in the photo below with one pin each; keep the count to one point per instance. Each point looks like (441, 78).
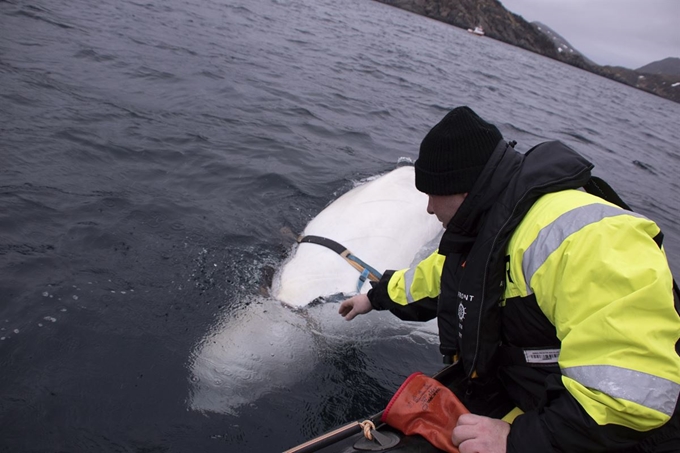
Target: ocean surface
(151, 153)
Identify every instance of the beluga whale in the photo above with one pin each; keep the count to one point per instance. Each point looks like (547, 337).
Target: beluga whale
(380, 224)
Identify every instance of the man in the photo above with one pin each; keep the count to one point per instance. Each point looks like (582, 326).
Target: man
(552, 298)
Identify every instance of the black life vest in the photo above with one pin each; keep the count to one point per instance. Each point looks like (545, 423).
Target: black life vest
(473, 277)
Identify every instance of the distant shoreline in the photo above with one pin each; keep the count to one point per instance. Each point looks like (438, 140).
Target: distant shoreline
(503, 25)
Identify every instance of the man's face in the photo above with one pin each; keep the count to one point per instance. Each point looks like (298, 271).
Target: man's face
(445, 206)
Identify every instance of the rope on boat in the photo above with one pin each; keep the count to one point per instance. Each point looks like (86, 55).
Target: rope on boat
(367, 426)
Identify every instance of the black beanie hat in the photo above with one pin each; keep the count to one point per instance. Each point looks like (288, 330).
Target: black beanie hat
(454, 152)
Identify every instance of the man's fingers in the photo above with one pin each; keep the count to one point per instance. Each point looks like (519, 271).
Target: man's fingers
(475, 433)
(346, 310)
(462, 433)
(350, 316)
(465, 428)
(357, 305)
(468, 419)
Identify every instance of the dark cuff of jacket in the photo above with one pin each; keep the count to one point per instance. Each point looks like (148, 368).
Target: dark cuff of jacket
(378, 295)
(528, 435)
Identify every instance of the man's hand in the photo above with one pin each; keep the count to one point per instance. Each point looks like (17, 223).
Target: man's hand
(477, 434)
(357, 305)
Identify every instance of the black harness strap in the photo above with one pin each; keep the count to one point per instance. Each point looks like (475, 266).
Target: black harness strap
(365, 270)
(328, 243)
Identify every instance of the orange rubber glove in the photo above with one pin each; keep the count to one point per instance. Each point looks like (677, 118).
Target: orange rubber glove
(426, 407)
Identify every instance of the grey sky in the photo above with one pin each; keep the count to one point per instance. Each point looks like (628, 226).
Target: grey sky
(629, 33)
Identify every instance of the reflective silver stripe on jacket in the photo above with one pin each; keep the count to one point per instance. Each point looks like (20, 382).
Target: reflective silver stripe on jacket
(422, 254)
(409, 275)
(645, 389)
(551, 236)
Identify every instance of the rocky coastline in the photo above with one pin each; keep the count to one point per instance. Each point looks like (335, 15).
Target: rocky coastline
(503, 25)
